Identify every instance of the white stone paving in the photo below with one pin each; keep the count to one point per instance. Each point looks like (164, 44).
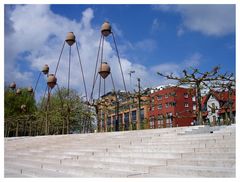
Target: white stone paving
(169, 152)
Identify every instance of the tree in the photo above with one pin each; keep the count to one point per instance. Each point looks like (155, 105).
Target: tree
(199, 80)
(67, 113)
(18, 111)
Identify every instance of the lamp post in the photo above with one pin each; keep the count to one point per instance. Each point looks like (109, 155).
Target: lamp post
(130, 77)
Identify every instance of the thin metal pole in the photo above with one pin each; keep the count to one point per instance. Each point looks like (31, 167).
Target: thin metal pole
(17, 128)
(61, 99)
(102, 50)
(44, 97)
(37, 83)
(139, 105)
(55, 73)
(69, 70)
(68, 107)
(47, 109)
(99, 91)
(95, 72)
(104, 87)
(119, 62)
(112, 82)
(84, 83)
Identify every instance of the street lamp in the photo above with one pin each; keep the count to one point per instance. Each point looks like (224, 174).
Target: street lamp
(130, 76)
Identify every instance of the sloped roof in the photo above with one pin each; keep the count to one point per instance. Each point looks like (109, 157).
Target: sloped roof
(221, 97)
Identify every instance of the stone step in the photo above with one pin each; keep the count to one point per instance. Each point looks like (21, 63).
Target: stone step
(223, 143)
(193, 171)
(136, 149)
(18, 170)
(69, 154)
(165, 152)
(126, 140)
(195, 138)
(230, 163)
(158, 154)
(166, 143)
(66, 171)
(201, 155)
(13, 173)
(83, 163)
(57, 159)
(173, 149)
(136, 160)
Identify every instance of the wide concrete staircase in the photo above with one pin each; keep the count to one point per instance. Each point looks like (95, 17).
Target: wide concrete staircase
(197, 151)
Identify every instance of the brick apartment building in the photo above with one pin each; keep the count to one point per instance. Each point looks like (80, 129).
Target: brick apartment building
(171, 106)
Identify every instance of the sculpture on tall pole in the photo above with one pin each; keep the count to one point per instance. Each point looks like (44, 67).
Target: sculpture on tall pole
(105, 71)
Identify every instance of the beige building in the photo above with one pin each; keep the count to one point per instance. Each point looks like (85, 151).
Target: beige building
(120, 112)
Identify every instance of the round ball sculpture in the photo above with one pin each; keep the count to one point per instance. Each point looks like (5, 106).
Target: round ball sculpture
(106, 29)
(51, 81)
(24, 108)
(70, 39)
(12, 85)
(30, 89)
(104, 70)
(19, 91)
(45, 69)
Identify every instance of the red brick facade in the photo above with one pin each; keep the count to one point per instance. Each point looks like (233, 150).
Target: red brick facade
(171, 107)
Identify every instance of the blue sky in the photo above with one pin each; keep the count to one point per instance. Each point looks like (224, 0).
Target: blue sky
(150, 38)
(160, 27)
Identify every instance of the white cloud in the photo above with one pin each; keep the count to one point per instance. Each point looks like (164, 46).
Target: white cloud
(193, 60)
(41, 33)
(176, 69)
(209, 19)
(216, 20)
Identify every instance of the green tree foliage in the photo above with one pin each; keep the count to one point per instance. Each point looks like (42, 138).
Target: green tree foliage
(15, 117)
(32, 120)
(67, 113)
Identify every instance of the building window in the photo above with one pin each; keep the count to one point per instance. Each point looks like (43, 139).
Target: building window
(126, 120)
(166, 105)
(185, 95)
(152, 100)
(152, 104)
(160, 106)
(159, 97)
(142, 114)
(173, 94)
(109, 121)
(152, 122)
(126, 117)
(194, 107)
(120, 118)
(193, 98)
(169, 120)
(186, 104)
(160, 121)
(213, 108)
(173, 104)
(134, 116)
